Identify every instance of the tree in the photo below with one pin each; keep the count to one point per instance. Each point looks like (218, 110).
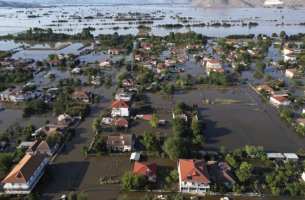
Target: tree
(260, 66)
(27, 132)
(231, 161)
(256, 151)
(82, 196)
(55, 137)
(52, 57)
(96, 125)
(173, 176)
(72, 196)
(154, 121)
(6, 162)
(175, 147)
(244, 173)
(300, 129)
(132, 181)
(149, 141)
(84, 150)
(179, 127)
(33, 196)
(101, 144)
(283, 34)
(286, 115)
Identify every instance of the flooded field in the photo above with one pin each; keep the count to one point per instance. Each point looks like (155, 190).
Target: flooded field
(104, 18)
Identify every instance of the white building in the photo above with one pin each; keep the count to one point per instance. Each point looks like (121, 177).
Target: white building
(106, 63)
(287, 51)
(26, 174)
(279, 101)
(290, 58)
(291, 157)
(292, 73)
(272, 2)
(303, 176)
(123, 96)
(120, 109)
(193, 176)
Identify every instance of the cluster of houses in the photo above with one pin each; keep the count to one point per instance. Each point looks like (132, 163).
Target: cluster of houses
(10, 63)
(18, 96)
(62, 58)
(290, 54)
(277, 98)
(195, 176)
(151, 62)
(121, 107)
(26, 174)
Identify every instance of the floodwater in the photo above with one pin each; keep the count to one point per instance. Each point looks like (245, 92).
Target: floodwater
(65, 19)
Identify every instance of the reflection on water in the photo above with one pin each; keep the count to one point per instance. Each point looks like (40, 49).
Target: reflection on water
(269, 20)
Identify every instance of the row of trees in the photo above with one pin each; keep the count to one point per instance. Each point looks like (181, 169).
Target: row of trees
(18, 75)
(47, 35)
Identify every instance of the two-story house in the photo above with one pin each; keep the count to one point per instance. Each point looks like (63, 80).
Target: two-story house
(26, 174)
(193, 176)
(120, 108)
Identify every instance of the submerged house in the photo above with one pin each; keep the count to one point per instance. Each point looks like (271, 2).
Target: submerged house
(120, 108)
(43, 147)
(121, 142)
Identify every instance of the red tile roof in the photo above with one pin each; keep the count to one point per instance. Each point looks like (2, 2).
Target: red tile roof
(280, 99)
(119, 104)
(121, 122)
(193, 171)
(214, 61)
(145, 169)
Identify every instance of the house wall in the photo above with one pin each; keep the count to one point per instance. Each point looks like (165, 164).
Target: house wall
(122, 112)
(192, 187)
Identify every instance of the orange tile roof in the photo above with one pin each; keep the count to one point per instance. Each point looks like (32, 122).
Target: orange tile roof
(193, 171)
(119, 104)
(24, 170)
(145, 169)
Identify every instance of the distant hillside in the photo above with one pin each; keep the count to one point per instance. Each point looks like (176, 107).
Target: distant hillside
(14, 4)
(240, 3)
(106, 1)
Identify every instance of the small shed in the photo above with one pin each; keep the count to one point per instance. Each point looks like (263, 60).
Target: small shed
(25, 144)
(275, 156)
(135, 156)
(291, 157)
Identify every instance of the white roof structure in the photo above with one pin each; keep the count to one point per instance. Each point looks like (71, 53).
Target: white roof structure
(63, 117)
(135, 156)
(25, 144)
(303, 176)
(275, 156)
(291, 156)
